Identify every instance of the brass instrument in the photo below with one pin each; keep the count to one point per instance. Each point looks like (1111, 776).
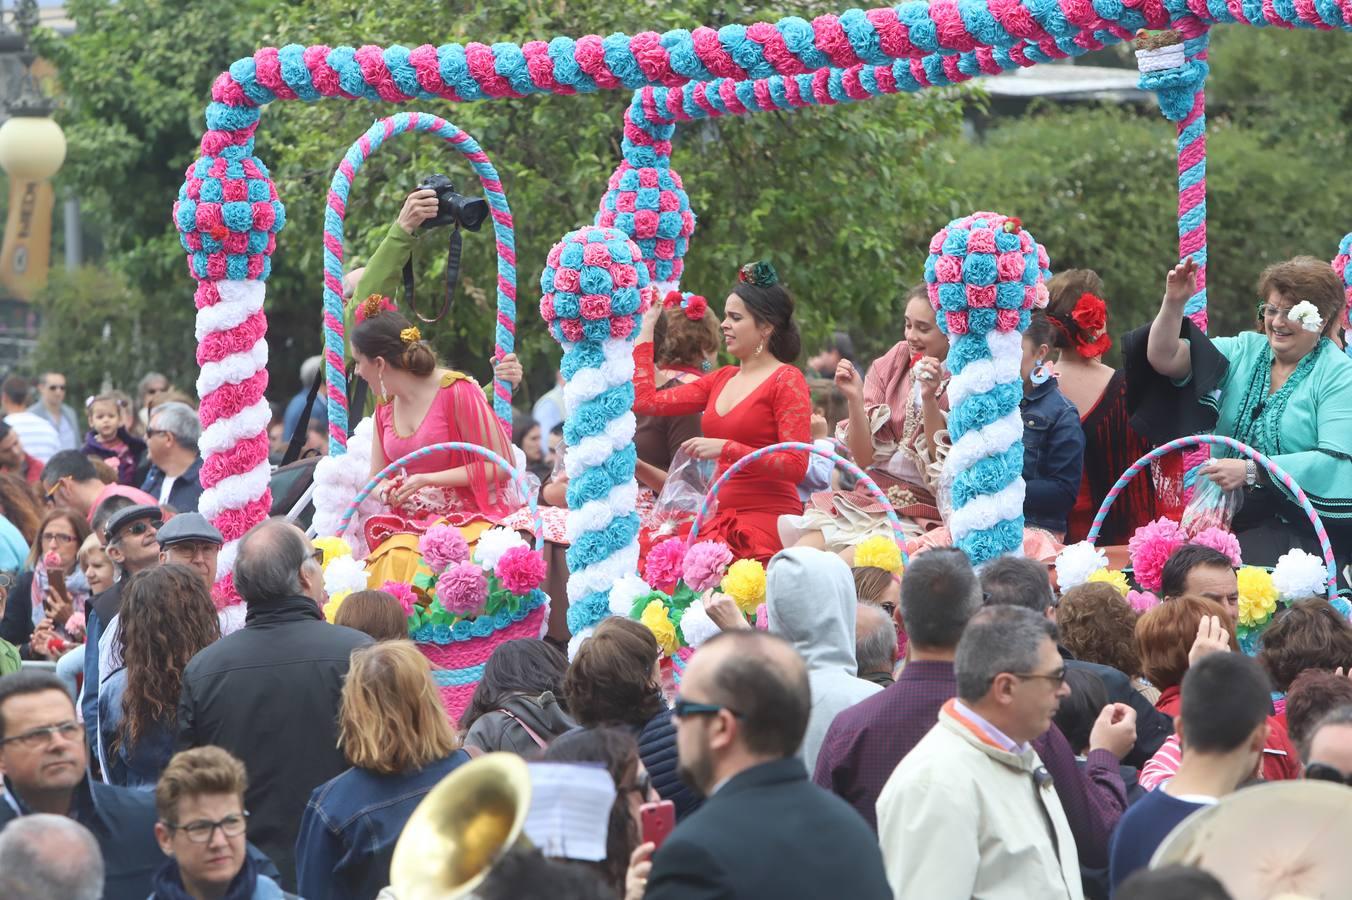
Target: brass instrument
(462, 828)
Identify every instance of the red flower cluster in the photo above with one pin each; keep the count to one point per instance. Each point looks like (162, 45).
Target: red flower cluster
(694, 306)
(1091, 315)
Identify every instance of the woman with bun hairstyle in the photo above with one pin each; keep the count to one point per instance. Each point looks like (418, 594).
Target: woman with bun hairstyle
(419, 403)
(1080, 315)
(760, 401)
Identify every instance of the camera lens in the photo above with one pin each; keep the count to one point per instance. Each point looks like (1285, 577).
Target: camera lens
(470, 211)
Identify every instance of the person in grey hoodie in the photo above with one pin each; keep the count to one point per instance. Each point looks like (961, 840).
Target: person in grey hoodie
(810, 598)
(515, 707)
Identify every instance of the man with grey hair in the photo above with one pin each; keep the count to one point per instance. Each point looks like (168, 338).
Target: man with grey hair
(49, 857)
(875, 644)
(171, 443)
(269, 693)
(971, 810)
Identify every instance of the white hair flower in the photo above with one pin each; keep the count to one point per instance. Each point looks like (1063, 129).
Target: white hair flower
(1300, 574)
(1076, 563)
(1307, 314)
(493, 543)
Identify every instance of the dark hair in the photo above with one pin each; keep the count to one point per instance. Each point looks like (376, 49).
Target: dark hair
(1064, 291)
(1016, 581)
(378, 337)
(529, 875)
(610, 680)
(938, 595)
(1310, 634)
(18, 504)
(166, 617)
(522, 666)
(773, 699)
(25, 682)
(104, 511)
(522, 423)
(1098, 625)
(16, 389)
(617, 750)
(773, 306)
(1174, 576)
(1165, 633)
(1312, 696)
(1040, 330)
(375, 613)
(5, 429)
(1078, 712)
(68, 464)
(1225, 697)
(1173, 882)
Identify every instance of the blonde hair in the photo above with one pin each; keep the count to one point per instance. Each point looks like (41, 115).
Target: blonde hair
(91, 545)
(391, 719)
(194, 773)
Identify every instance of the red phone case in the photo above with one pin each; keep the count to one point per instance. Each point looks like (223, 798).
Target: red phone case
(657, 819)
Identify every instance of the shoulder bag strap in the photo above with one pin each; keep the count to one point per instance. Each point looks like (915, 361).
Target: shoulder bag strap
(539, 741)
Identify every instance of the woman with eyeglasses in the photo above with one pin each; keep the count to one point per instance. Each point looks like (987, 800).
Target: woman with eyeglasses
(167, 616)
(45, 614)
(202, 820)
(1285, 391)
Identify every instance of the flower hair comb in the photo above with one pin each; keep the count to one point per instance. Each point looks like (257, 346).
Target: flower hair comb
(761, 274)
(693, 305)
(374, 305)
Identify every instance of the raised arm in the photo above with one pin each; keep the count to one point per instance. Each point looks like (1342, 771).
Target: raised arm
(1165, 351)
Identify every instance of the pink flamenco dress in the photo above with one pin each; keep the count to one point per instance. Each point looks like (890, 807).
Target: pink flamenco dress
(779, 409)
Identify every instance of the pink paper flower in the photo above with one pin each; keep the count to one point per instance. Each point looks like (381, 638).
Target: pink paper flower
(463, 588)
(664, 564)
(75, 624)
(1142, 600)
(1219, 539)
(442, 546)
(762, 618)
(1150, 548)
(705, 565)
(403, 593)
(521, 570)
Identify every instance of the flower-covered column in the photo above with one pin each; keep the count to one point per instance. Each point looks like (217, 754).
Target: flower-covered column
(593, 292)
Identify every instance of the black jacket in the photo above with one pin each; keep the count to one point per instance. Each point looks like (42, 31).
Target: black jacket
(269, 694)
(17, 624)
(657, 749)
(769, 832)
(1152, 726)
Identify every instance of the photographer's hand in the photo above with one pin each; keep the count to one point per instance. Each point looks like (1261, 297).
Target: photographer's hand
(419, 206)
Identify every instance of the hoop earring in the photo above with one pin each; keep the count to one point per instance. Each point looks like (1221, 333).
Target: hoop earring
(1041, 373)
(760, 347)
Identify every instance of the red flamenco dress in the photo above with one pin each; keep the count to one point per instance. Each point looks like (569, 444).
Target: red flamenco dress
(779, 409)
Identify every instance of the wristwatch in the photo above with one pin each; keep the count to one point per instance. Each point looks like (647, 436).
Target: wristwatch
(1250, 473)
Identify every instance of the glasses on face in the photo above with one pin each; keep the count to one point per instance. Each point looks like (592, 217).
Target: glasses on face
(1268, 311)
(200, 832)
(643, 783)
(58, 538)
(49, 497)
(1057, 678)
(136, 529)
(1317, 771)
(152, 432)
(684, 709)
(318, 556)
(191, 549)
(37, 737)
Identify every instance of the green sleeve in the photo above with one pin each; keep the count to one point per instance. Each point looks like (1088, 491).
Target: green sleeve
(382, 272)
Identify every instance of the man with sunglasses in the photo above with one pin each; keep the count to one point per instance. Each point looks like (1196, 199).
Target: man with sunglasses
(43, 757)
(1223, 728)
(765, 830)
(70, 480)
(1328, 750)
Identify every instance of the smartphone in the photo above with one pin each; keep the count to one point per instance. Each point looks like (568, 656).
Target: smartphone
(57, 579)
(657, 820)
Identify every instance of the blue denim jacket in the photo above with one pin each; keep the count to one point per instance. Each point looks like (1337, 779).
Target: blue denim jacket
(1053, 456)
(351, 824)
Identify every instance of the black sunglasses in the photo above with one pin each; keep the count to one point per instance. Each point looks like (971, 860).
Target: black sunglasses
(684, 709)
(1318, 771)
(136, 529)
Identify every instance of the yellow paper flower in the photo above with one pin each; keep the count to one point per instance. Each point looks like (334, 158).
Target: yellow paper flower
(410, 335)
(1257, 596)
(657, 619)
(335, 601)
(745, 584)
(333, 548)
(880, 552)
(1113, 577)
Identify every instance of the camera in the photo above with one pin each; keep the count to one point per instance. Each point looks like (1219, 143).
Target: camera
(454, 208)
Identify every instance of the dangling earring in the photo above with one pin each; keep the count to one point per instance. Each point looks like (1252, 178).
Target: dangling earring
(705, 365)
(1041, 373)
(384, 394)
(760, 347)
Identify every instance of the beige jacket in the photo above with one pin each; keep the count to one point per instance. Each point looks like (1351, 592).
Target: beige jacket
(960, 818)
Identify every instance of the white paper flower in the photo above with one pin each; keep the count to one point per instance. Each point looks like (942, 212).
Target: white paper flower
(1299, 574)
(493, 543)
(344, 574)
(577, 640)
(696, 626)
(625, 591)
(1076, 563)
(1307, 314)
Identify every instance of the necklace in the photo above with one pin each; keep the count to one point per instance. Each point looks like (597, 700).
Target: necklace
(1259, 421)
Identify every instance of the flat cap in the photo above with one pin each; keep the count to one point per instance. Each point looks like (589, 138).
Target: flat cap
(125, 516)
(189, 527)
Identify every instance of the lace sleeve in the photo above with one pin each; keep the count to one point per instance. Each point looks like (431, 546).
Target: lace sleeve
(793, 422)
(676, 400)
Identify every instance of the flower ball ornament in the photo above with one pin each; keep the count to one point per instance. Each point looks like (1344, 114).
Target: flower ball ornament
(1342, 265)
(228, 216)
(985, 274)
(594, 289)
(650, 204)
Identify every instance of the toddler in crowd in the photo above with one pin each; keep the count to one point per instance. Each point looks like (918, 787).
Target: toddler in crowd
(109, 441)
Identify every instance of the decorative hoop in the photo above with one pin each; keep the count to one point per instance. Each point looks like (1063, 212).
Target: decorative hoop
(840, 463)
(518, 478)
(1277, 473)
(503, 230)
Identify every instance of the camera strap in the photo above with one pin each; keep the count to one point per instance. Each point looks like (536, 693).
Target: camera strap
(452, 277)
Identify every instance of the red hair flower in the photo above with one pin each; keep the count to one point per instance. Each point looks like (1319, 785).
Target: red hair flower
(671, 300)
(1091, 315)
(695, 307)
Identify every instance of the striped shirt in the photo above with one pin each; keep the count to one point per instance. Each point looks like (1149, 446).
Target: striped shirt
(36, 434)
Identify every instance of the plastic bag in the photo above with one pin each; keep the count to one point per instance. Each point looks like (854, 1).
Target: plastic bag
(688, 481)
(1210, 507)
